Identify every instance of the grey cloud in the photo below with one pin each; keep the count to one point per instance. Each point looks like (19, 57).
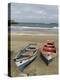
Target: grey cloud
(34, 13)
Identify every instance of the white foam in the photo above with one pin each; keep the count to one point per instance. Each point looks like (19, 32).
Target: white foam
(25, 27)
(55, 27)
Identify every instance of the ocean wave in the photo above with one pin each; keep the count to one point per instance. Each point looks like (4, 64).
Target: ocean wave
(25, 27)
(32, 29)
(55, 27)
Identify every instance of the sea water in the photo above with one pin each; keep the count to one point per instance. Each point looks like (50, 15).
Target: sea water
(31, 27)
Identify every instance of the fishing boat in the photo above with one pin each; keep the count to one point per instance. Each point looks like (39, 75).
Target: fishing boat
(48, 52)
(25, 56)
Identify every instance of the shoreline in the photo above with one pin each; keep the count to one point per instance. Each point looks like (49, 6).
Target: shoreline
(33, 34)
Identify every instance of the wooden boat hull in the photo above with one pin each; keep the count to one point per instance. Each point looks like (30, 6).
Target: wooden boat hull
(46, 59)
(23, 65)
(29, 53)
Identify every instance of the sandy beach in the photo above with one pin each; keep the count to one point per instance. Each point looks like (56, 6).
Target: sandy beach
(37, 67)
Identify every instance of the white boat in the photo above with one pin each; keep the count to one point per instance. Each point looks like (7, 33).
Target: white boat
(25, 56)
(48, 51)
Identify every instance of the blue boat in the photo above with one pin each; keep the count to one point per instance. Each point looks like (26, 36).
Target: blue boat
(25, 56)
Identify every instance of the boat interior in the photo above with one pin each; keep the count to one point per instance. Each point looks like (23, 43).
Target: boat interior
(26, 53)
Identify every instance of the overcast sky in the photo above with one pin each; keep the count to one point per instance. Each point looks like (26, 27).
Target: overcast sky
(34, 13)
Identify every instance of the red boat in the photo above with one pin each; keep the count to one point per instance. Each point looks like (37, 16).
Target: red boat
(48, 51)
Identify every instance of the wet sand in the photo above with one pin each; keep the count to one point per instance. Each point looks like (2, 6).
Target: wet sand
(37, 67)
